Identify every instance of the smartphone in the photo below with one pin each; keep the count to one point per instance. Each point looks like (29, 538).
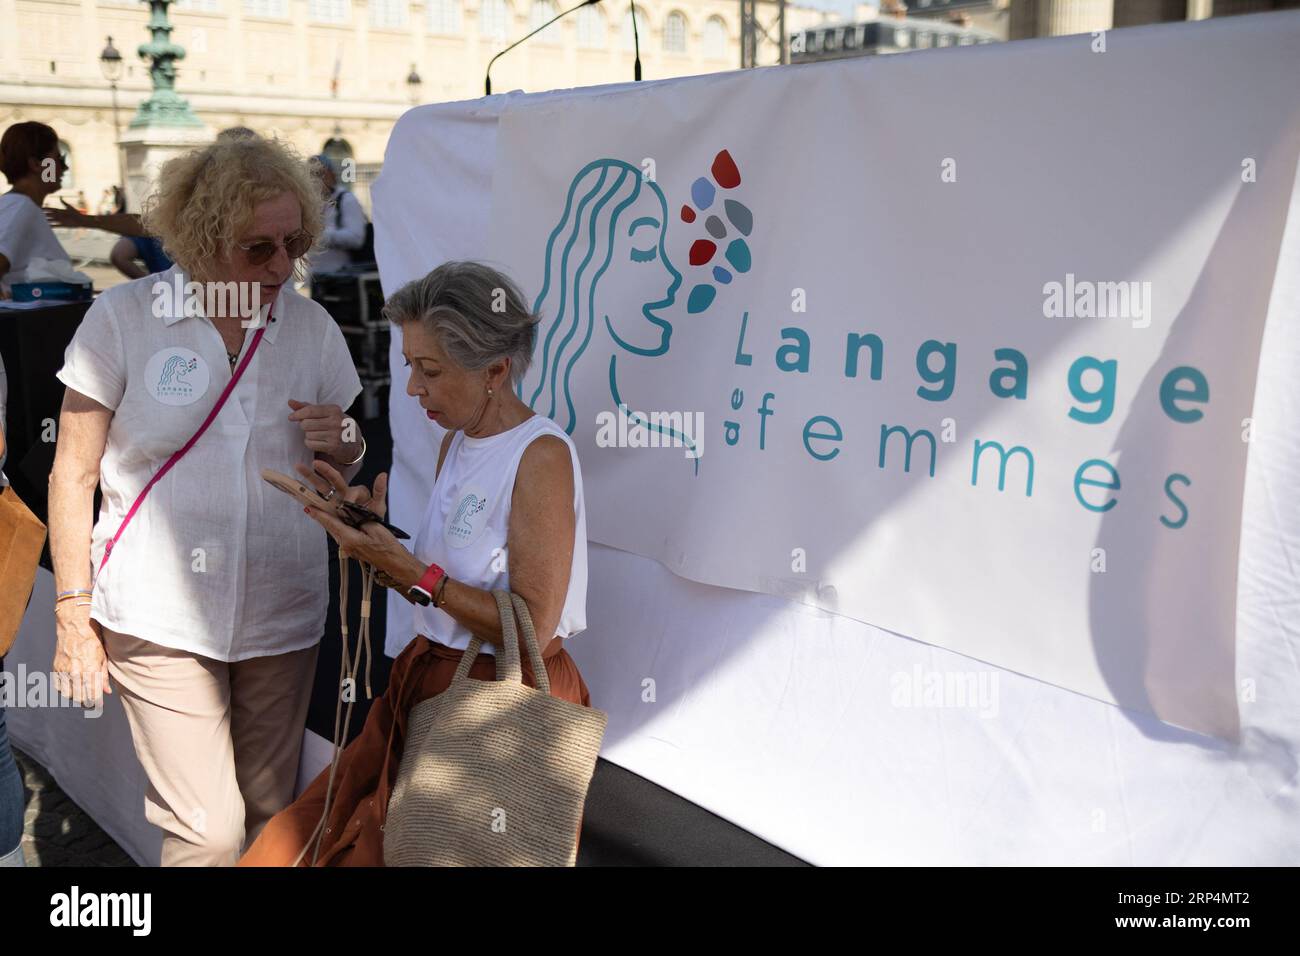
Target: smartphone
(347, 512)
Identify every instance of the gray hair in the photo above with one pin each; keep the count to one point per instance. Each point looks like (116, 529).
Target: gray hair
(476, 313)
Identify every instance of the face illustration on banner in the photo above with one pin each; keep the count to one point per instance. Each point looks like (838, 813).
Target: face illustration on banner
(611, 237)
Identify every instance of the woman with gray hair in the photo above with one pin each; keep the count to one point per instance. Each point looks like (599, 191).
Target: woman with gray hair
(506, 512)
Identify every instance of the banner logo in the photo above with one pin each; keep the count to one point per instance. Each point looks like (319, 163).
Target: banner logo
(176, 376)
(613, 231)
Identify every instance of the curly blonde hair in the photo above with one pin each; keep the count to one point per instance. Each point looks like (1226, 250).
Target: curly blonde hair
(204, 199)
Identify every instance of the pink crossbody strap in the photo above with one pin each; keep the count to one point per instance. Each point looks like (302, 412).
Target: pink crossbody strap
(177, 456)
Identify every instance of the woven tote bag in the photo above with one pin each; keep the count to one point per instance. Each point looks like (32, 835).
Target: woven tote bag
(494, 773)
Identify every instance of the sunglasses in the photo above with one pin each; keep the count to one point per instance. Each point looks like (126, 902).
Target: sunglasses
(295, 246)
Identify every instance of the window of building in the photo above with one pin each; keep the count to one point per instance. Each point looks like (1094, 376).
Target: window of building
(539, 13)
(327, 11)
(675, 32)
(443, 17)
(388, 14)
(715, 39)
(202, 6)
(642, 26)
(494, 19)
(591, 28)
(267, 8)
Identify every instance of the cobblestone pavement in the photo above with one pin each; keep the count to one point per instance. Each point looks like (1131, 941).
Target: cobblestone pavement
(57, 832)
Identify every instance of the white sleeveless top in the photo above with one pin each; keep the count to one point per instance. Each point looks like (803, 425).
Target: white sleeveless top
(468, 518)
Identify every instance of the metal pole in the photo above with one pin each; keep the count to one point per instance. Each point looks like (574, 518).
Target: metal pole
(744, 35)
(785, 56)
(117, 145)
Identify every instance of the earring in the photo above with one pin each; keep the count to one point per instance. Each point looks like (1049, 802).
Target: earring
(489, 393)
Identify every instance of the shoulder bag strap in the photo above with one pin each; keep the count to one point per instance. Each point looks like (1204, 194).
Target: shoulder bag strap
(177, 456)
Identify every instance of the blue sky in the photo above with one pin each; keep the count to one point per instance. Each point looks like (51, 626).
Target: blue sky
(842, 7)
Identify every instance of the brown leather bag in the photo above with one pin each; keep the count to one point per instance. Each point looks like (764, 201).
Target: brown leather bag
(22, 538)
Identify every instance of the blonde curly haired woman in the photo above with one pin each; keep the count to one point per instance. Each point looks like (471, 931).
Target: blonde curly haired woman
(207, 620)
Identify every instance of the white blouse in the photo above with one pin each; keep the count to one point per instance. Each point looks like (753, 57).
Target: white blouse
(467, 521)
(25, 234)
(216, 561)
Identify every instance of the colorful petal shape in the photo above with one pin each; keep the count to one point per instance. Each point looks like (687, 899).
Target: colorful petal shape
(701, 298)
(702, 193)
(739, 215)
(725, 171)
(738, 255)
(702, 251)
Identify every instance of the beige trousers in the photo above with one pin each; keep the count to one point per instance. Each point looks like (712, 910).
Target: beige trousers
(219, 742)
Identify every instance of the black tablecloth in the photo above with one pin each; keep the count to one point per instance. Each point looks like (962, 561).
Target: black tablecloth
(32, 343)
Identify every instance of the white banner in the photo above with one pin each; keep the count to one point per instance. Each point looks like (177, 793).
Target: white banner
(979, 373)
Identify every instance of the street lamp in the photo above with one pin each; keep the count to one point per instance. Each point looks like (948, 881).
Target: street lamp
(413, 82)
(110, 61)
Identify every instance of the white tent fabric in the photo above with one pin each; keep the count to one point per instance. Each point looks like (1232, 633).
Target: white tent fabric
(778, 716)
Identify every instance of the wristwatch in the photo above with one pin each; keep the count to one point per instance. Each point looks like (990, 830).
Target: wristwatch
(421, 592)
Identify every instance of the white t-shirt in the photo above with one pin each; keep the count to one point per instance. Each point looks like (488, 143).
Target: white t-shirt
(467, 520)
(25, 233)
(215, 561)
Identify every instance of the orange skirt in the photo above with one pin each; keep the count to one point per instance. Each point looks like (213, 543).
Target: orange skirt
(368, 766)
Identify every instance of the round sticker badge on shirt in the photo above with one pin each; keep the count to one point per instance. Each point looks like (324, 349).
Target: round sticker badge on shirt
(467, 520)
(176, 376)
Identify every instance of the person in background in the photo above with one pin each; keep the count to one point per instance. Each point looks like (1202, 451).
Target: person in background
(30, 160)
(129, 251)
(12, 798)
(70, 217)
(345, 220)
(134, 247)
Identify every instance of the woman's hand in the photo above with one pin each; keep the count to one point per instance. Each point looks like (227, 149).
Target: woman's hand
(372, 542)
(80, 667)
(327, 480)
(322, 428)
(69, 217)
